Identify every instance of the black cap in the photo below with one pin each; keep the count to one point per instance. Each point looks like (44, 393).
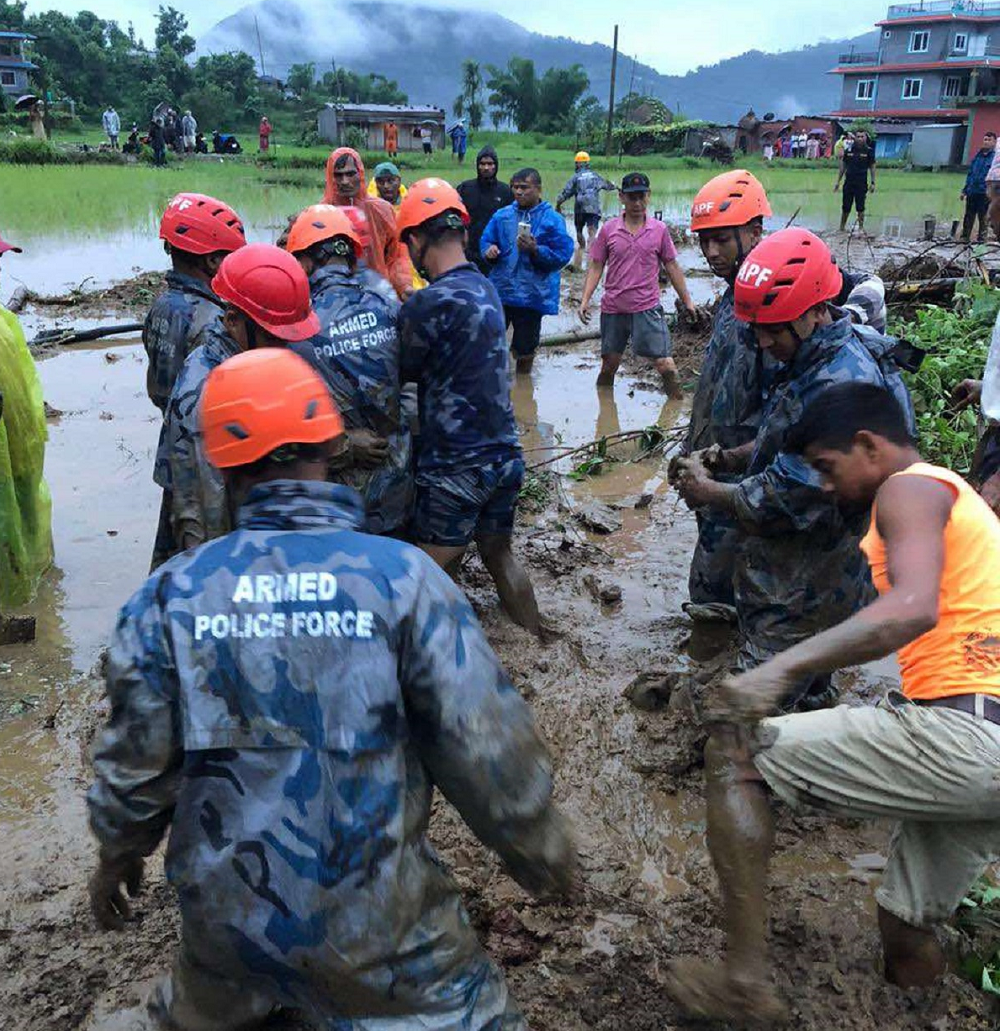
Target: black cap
(635, 182)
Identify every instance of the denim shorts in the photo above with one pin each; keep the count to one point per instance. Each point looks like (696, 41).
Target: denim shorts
(454, 507)
(647, 331)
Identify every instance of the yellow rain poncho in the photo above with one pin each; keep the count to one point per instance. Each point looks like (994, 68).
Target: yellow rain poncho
(25, 504)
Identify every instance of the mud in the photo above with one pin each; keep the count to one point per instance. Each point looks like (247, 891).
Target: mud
(627, 776)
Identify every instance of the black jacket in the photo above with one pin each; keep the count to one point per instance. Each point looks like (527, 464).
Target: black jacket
(482, 199)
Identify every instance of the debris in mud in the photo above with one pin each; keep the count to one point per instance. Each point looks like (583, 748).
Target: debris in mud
(51, 412)
(600, 518)
(604, 591)
(17, 629)
(130, 295)
(652, 689)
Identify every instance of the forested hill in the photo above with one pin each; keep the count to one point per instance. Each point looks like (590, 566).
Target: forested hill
(423, 48)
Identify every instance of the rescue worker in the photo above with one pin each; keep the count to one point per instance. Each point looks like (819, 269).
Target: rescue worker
(585, 186)
(527, 246)
(392, 140)
(926, 757)
(469, 463)
(285, 700)
(387, 183)
(346, 187)
(266, 294)
(483, 197)
(25, 503)
(728, 215)
(357, 350)
(798, 568)
(197, 233)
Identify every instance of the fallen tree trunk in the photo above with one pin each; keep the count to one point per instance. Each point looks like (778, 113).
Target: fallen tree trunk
(574, 336)
(65, 337)
(18, 299)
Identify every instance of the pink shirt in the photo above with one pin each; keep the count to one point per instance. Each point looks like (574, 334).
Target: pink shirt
(632, 264)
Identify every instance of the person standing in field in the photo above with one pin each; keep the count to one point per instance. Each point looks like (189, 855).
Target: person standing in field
(926, 757)
(856, 166)
(483, 197)
(426, 140)
(633, 248)
(974, 192)
(527, 247)
(189, 132)
(264, 134)
(392, 140)
(112, 125)
(585, 187)
(459, 140)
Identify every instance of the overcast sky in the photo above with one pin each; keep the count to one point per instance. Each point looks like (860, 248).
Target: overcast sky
(673, 36)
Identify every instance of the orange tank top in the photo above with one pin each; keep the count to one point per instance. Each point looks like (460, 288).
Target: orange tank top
(961, 655)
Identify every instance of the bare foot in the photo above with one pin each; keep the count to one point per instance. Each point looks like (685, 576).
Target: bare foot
(703, 990)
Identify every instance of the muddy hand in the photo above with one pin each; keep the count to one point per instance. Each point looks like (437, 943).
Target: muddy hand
(107, 900)
(750, 696)
(368, 449)
(968, 392)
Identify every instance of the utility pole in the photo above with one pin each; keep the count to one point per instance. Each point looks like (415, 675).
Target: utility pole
(260, 48)
(611, 101)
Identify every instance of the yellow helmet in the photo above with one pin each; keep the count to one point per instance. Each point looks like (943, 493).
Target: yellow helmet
(582, 158)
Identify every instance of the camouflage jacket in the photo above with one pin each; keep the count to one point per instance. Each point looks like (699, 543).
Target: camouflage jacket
(782, 492)
(358, 354)
(285, 699)
(727, 401)
(863, 298)
(198, 497)
(178, 315)
(455, 348)
(585, 186)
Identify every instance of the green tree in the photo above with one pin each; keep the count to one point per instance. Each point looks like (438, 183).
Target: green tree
(301, 78)
(12, 15)
(469, 102)
(514, 93)
(559, 91)
(171, 31)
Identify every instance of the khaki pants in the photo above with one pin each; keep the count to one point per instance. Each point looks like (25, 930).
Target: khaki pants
(935, 770)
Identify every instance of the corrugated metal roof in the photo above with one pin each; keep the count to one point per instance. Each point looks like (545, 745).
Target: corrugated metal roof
(9, 62)
(387, 109)
(16, 35)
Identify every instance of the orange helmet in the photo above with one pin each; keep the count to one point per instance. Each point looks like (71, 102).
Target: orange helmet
(784, 276)
(428, 199)
(199, 224)
(731, 199)
(318, 223)
(268, 284)
(259, 401)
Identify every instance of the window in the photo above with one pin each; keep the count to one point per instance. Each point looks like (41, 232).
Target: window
(919, 42)
(953, 86)
(961, 43)
(887, 34)
(912, 88)
(8, 79)
(866, 89)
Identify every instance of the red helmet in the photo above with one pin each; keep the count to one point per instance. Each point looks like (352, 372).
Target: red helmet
(268, 284)
(201, 225)
(784, 276)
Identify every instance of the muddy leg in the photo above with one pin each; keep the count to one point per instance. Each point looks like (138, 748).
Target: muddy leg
(448, 558)
(609, 366)
(740, 839)
(913, 957)
(667, 369)
(517, 596)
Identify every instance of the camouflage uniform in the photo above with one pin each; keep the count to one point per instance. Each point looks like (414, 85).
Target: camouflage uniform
(585, 187)
(358, 353)
(197, 494)
(799, 567)
(178, 315)
(725, 411)
(286, 698)
(469, 464)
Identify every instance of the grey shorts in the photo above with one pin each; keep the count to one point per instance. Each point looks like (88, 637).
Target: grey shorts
(647, 330)
(935, 771)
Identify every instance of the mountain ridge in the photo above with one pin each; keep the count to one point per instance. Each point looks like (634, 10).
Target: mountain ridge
(423, 49)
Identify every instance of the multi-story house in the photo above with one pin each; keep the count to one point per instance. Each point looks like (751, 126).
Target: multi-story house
(933, 57)
(14, 66)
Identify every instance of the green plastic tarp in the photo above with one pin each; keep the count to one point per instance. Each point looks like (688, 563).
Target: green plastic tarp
(25, 503)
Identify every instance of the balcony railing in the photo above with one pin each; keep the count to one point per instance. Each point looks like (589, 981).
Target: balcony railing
(957, 7)
(859, 57)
